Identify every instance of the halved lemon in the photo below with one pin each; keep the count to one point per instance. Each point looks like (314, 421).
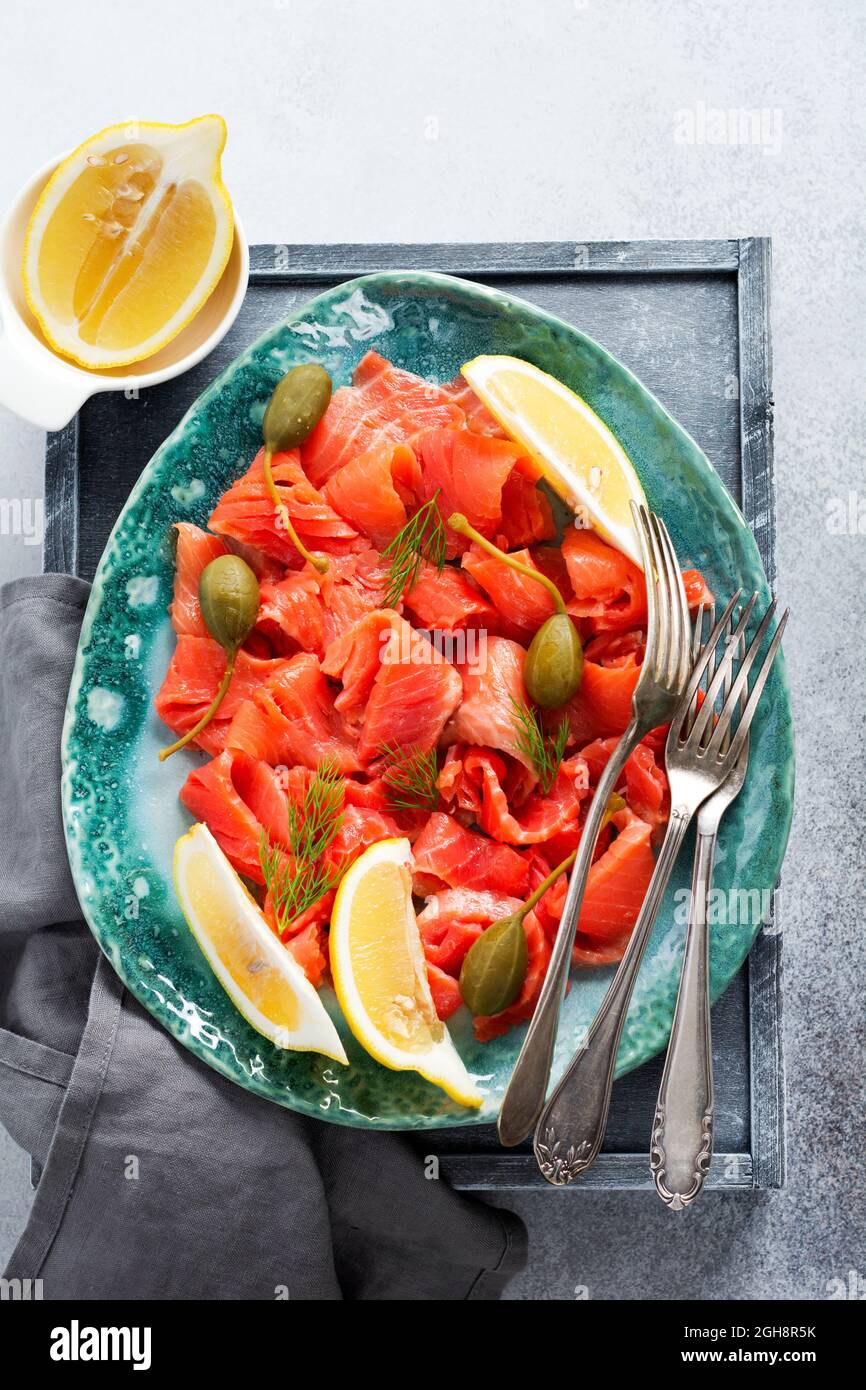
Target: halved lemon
(578, 455)
(377, 962)
(262, 979)
(128, 239)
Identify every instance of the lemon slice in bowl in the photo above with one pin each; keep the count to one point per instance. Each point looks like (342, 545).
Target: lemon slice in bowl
(127, 240)
(377, 962)
(578, 455)
(262, 979)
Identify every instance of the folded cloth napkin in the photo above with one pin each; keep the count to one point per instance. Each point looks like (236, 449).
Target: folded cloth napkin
(160, 1179)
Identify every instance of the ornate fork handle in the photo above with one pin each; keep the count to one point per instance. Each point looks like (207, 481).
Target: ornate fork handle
(524, 1097)
(682, 1138)
(572, 1125)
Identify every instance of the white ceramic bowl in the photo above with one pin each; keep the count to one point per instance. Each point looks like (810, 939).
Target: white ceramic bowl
(45, 389)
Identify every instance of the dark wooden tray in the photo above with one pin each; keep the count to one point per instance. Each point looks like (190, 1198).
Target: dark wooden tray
(691, 318)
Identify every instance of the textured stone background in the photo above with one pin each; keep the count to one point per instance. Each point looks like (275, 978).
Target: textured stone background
(497, 120)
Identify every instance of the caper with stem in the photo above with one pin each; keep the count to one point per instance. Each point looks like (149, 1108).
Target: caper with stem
(297, 404)
(495, 966)
(553, 668)
(229, 598)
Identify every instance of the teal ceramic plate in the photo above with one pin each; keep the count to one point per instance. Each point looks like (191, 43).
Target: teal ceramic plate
(121, 810)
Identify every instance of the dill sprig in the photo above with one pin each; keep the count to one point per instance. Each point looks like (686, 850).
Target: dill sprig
(421, 540)
(411, 776)
(313, 824)
(298, 880)
(545, 751)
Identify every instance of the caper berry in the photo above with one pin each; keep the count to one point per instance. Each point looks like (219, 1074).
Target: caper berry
(228, 592)
(495, 966)
(297, 405)
(553, 668)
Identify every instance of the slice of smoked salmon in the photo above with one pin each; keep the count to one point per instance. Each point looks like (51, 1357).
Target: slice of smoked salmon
(609, 589)
(478, 417)
(449, 602)
(491, 686)
(526, 513)
(191, 683)
(460, 795)
(384, 404)
(210, 793)
(364, 491)
(309, 948)
(468, 905)
(611, 667)
(354, 660)
(266, 569)
(444, 991)
(462, 792)
(586, 952)
(370, 794)
(292, 614)
(523, 603)
(541, 816)
(292, 720)
(618, 883)
(454, 919)
(469, 471)
(263, 790)
(643, 781)
(413, 695)
(362, 826)
(195, 550)
(246, 513)
(549, 559)
(447, 853)
(553, 850)
(354, 585)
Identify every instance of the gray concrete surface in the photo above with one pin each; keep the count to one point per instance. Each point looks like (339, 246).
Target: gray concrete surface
(581, 120)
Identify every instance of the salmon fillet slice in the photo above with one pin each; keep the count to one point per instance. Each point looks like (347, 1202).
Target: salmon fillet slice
(448, 853)
(291, 720)
(195, 551)
(383, 405)
(413, 695)
(491, 686)
(191, 683)
(245, 513)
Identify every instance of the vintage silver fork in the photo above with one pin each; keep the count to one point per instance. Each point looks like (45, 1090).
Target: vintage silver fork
(681, 1147)
(699, 756)
(662, 680)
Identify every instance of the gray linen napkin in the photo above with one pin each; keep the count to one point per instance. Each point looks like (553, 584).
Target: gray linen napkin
(161, 1179)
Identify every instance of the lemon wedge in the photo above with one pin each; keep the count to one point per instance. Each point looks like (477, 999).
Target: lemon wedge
(262, 978)
(377, 962)
(578, 455)
(129, 237)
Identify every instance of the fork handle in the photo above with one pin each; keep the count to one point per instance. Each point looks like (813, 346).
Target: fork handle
(682, 1137)
(524, 1097)
(572, 1124)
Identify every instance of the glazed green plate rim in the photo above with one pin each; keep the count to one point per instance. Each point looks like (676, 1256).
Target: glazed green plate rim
(303, 1082)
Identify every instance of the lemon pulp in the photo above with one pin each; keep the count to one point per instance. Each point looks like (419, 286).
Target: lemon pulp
(128, 239)
(388, 962)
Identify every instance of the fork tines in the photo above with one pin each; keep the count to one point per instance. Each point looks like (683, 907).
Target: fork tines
(666, 659)
(709, 735)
